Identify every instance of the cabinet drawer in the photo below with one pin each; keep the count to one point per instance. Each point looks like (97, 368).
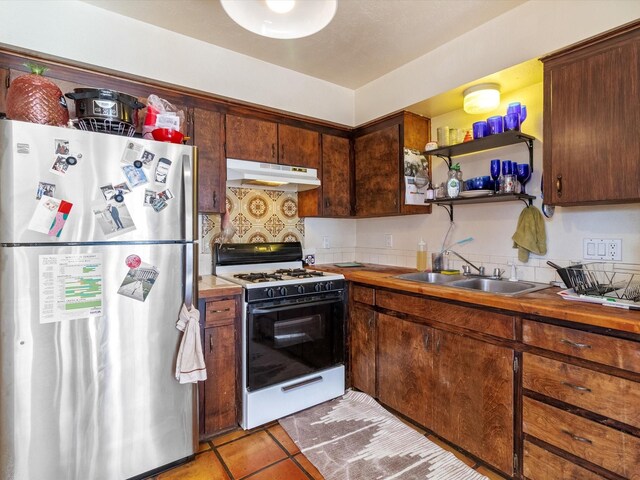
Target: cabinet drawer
(220, 312)
(607, 395)
(471, 318)
(624, 354)
(539, 464)
(604, 446)
(363, 294)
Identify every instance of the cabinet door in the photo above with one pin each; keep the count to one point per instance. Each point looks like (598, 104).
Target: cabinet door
(405, 367)
(377, 172)
(4, 78)
(473, 397)
(298, 147)
(251, 139)
(363, 349)
(591, 125)
(220, 386)
(208, 133)
(336, 176)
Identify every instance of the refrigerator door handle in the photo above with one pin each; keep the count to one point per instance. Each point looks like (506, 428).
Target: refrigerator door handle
(189, 202)
(188, 280)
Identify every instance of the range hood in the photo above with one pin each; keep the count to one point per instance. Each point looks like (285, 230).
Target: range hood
(271, 176)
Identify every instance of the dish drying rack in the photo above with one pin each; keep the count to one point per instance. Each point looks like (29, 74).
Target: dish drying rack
(608, 281)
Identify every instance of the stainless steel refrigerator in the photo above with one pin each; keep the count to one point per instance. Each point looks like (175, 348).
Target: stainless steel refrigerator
(89, 299)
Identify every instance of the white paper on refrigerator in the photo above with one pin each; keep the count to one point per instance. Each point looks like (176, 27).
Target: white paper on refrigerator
(70, 286)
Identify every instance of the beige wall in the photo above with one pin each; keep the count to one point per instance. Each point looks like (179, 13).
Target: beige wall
(83, 33)
(528, 31)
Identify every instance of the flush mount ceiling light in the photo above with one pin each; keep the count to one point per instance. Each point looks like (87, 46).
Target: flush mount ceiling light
(284, 19)
(481, 98)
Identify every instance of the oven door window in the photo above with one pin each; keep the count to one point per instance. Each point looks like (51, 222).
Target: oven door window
(289, 341)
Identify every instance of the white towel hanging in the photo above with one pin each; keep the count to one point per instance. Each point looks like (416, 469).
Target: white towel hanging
(190, 366)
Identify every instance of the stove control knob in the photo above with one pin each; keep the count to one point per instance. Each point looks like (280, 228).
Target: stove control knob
(270, 292)
(300, 289)
(282, 291)
(318, 287)
(329, 286)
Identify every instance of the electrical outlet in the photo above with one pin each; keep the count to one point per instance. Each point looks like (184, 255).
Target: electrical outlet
(325, 242)
(388, 240)
(602, 249)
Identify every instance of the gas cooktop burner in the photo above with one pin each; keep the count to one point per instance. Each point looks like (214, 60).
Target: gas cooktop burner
(299, 273)
(259, 277)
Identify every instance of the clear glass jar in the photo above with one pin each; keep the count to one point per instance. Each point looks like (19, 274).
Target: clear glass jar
(453, 183)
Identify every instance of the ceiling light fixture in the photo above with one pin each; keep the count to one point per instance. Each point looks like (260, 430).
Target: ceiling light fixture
(481, 98)
(283, 19)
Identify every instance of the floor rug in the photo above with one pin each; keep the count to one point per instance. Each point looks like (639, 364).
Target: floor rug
(354, 438)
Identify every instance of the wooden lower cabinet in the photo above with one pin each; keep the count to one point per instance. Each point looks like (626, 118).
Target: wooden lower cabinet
(362, 327)
(219, 394)
(473, 399)
(540, 464)
(582, 398)
(459, 387)
(598, 444)
(405, 367)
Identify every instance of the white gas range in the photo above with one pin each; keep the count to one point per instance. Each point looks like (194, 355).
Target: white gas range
(293, 329)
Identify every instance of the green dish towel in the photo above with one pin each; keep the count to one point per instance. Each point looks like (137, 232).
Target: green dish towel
(530, 235)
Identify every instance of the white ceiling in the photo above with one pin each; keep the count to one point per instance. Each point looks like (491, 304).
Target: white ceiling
(365, 40)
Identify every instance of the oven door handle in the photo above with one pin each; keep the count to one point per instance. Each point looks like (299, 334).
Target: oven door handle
(292, 307)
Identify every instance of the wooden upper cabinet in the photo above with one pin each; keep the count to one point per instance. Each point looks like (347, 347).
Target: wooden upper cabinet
(333, 198)
(592, 120)
(379, 164)
(208, 135)
(4, 76)
(251, 139)
(377, 173)
(270, 142)
(336, 176)
(298, 147)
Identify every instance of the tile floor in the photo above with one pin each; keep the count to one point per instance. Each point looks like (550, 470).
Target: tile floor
(266, 453)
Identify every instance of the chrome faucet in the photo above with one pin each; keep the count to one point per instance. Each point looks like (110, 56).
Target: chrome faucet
(466, 270)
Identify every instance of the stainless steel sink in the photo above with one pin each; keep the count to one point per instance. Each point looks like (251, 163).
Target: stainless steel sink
(501, 287)
(429, 277)
(492, 285)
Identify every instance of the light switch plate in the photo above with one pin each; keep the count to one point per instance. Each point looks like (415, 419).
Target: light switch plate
(602, 249)
(388, 240)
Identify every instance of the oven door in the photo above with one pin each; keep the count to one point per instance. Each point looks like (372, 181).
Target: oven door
(289, 340)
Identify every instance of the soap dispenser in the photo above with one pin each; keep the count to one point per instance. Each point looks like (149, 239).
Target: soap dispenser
(421, 256)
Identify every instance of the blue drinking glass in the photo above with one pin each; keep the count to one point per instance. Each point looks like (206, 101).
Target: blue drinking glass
(523, 113)
(512, 121)
(480, 129)
(507, 167)
(523, 173)
(514, 107)
(495, 172)
(495, 124)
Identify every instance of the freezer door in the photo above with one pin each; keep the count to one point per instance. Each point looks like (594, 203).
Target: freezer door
(92, 172)
(93, 397)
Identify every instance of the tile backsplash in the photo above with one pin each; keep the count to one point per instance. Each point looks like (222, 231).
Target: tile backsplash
(258, 216)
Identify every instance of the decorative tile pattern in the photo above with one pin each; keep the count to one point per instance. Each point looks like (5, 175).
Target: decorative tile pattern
(242, 224)
(258, 215)
(274, 225)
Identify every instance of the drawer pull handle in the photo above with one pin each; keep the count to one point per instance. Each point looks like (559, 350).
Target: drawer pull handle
(221, 311)
(425, 340)
(210, 343)
(577, 387)
(577, 438)
(575, 344)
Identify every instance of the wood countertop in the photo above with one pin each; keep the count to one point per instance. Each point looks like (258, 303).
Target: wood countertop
(543, 303)
(212, 286)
